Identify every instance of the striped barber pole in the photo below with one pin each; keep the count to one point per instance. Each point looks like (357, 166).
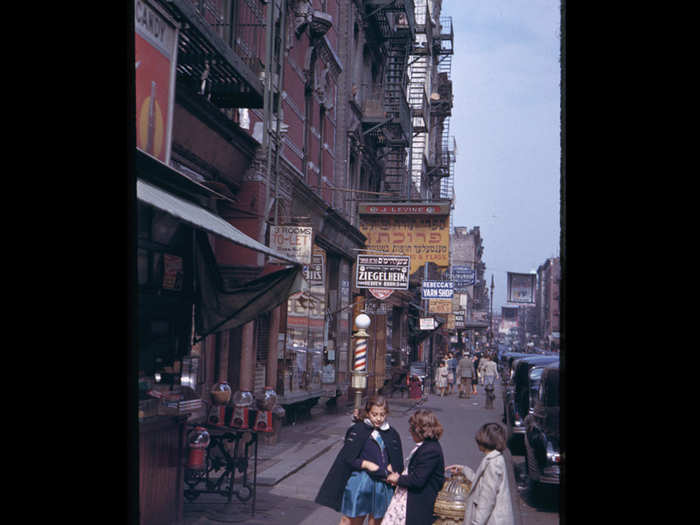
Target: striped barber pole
(360, 362)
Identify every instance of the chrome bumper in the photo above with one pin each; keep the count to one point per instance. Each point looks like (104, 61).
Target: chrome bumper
(550, 475)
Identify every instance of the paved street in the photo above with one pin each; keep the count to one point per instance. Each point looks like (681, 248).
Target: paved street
(290, 501)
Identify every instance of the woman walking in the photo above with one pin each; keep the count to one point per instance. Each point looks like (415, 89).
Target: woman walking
(441, 378)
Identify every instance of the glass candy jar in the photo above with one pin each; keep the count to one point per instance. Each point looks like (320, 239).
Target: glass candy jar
(268, 400)
(221, 393)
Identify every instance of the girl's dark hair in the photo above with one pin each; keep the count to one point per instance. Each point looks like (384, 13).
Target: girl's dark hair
(491, 436)
(377, 400)
(425, 425)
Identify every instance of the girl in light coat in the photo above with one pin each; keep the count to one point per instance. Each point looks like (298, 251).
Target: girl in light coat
(489, 501)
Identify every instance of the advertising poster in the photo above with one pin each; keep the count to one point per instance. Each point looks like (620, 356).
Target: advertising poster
(154, 55)
(292, 241)
(419, 231)
(521, 288)
(440, 306)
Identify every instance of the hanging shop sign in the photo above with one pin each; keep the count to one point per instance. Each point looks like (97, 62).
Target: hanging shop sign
(450, 321)
(437, 290)
(427, 323)
(460, 319)
(315, 272)
(521, 288)
(381, 293)
(293, 241)
(440, 306)
(154, 81)
(463, 277)
(382, 271)
(419, 231)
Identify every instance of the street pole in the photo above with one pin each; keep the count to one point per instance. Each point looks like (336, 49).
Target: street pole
(359, 365)
(491, 315)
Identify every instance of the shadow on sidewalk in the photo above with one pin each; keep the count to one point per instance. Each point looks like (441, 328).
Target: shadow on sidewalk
(270, 509)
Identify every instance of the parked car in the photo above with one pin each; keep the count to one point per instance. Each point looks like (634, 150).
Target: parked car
(505, 363)
(517, 396)
(542, 445)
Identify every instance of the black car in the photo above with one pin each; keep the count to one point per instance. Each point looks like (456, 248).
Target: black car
(505, 362)
(517, 396)
(542, 450)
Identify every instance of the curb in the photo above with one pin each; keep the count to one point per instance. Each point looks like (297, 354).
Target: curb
(289, 465)
(514, 494)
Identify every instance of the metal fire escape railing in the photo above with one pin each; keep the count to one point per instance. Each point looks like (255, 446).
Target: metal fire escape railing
(219, 52)
(441, 108)
(392, 134)
(419, 88)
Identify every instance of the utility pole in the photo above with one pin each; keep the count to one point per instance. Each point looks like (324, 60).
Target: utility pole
(491, 314)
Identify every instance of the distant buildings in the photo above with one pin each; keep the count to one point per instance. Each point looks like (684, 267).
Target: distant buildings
(547, 301)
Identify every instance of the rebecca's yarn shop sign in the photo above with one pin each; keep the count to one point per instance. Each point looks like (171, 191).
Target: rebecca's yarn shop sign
(437, 290)
(383, 271)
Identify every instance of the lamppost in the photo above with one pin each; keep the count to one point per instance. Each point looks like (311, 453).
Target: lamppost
(359, 364)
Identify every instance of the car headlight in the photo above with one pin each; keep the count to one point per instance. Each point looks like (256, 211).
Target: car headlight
(552, 455)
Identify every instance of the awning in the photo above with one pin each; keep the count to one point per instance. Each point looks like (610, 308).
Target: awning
(220, 309)
(200, 217)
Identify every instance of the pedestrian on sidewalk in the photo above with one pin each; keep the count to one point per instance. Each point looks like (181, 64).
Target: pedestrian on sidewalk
(489, 501)
(356, 483)
(475, 378)
(452, 372)
(465, 373)
(490, 370)
(418, 485)
(441, 377)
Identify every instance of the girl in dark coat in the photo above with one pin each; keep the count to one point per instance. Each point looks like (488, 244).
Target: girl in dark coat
(419, 484)
(356, 484)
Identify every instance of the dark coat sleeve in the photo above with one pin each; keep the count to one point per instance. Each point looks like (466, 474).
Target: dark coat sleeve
(426, 475)
(331, 492)
(395, 451)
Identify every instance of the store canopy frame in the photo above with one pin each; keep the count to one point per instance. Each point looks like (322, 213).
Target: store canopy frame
(200, 217)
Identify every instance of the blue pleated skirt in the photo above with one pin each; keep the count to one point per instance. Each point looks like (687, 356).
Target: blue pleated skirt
(363, 496)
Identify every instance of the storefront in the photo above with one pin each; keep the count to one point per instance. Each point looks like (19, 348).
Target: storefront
(181, 300)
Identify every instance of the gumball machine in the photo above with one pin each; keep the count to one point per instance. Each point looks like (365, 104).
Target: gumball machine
(198, 441)
(242, 403)
(220, 395)
(266, 405)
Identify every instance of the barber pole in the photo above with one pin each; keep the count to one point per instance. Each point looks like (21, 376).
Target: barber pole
(360, 363)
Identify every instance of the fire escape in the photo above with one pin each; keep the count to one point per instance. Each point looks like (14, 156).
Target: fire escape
(441, 107)
(219, 52)
(387, 120)
(419, 72)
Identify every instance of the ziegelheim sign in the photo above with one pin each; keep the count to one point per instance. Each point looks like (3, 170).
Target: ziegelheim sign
(383, 271)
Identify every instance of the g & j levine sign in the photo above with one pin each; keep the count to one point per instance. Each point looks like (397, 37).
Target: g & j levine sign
(383, 271)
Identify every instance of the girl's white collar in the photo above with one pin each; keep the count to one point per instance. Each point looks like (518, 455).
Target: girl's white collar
(385, 425)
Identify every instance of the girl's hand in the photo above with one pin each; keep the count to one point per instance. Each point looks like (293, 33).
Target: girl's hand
(393, 478)
(368, 465)
(389, 468)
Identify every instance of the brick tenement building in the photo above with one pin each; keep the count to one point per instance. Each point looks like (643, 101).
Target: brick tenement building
(548, 302)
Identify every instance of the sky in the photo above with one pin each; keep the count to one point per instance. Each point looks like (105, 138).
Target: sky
(506, 123)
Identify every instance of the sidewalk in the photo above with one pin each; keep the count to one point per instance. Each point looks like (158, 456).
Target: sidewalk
(298, 446)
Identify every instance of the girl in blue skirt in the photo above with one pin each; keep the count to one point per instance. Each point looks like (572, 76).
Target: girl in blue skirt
(356, 483)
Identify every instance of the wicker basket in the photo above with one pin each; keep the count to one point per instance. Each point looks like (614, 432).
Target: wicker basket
(450, 503)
